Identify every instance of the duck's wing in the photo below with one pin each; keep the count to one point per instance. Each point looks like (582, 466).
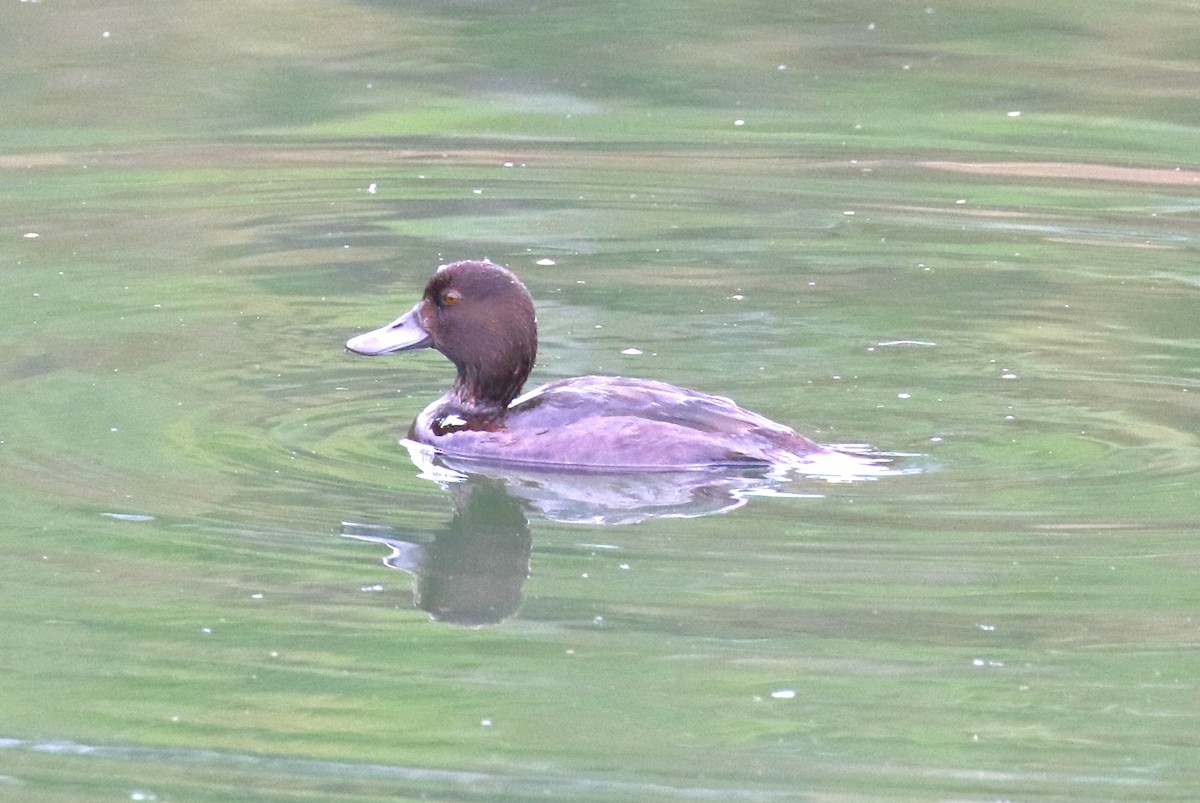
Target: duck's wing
(568, 400)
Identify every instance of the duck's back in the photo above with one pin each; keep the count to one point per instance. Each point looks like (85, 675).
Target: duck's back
(615, 422)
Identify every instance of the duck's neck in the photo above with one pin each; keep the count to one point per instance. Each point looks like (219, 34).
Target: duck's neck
(480, 393)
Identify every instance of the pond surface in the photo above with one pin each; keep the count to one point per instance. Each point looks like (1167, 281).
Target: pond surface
(963, 233)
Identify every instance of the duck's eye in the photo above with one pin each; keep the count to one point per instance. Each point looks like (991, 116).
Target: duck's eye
(450, 298)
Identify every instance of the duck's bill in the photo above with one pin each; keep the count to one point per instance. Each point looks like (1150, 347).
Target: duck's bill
(403, 334)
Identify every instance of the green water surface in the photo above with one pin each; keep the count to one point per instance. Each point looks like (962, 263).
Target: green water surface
(966, 232)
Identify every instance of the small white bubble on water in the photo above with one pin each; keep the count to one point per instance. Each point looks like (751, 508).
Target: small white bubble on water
(372, 187)
(545, 263)
(631, 351)
(783, 694)
(486, 723)
(903, 395)
(31, 235)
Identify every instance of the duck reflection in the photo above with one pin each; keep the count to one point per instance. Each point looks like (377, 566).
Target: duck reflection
(472, 571)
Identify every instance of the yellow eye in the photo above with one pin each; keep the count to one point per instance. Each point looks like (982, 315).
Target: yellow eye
(450, 298)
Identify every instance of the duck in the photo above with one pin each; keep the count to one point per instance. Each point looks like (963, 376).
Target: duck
(481, 317)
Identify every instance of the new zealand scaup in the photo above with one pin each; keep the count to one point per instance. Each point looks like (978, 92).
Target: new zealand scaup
(481, 317)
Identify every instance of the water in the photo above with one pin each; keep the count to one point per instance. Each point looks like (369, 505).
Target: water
(966, 234)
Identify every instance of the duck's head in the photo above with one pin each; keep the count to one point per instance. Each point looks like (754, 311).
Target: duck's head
(481, 317)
